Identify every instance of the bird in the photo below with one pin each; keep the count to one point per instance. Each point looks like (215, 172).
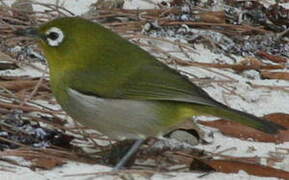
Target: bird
(113, 86)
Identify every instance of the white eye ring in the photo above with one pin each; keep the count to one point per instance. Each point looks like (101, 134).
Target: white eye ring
(54, 36)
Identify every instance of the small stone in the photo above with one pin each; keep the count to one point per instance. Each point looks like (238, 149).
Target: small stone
(183, 136)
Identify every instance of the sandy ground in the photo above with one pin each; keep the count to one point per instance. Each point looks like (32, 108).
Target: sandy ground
(264, 101)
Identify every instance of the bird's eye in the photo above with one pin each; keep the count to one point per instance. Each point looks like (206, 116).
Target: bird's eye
(54, 36)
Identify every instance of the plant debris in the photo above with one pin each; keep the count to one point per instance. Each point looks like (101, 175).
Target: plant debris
(42, 134)
(232, 166)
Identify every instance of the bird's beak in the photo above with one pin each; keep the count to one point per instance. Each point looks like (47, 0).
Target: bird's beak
(29, 32)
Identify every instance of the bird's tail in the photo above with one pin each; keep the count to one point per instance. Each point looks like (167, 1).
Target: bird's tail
(247, 119)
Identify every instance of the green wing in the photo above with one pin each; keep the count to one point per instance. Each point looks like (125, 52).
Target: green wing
(149, 80)
(156, 81)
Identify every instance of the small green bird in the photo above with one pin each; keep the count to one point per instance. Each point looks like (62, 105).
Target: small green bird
(115, 87)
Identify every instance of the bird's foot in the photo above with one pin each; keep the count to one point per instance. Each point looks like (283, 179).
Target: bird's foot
(128, 157)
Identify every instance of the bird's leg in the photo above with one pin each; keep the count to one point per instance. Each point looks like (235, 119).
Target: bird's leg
(129, 154)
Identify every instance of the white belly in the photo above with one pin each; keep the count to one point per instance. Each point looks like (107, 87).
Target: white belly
(116, 118)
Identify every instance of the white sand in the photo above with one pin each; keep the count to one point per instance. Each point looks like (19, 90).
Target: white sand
(256, 101)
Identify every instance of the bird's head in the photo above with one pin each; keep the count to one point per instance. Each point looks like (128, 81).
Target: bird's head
(68, 39)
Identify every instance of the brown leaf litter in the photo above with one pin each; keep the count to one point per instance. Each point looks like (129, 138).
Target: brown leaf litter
(38, 133)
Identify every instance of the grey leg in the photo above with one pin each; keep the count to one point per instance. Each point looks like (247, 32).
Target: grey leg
(129, 154)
